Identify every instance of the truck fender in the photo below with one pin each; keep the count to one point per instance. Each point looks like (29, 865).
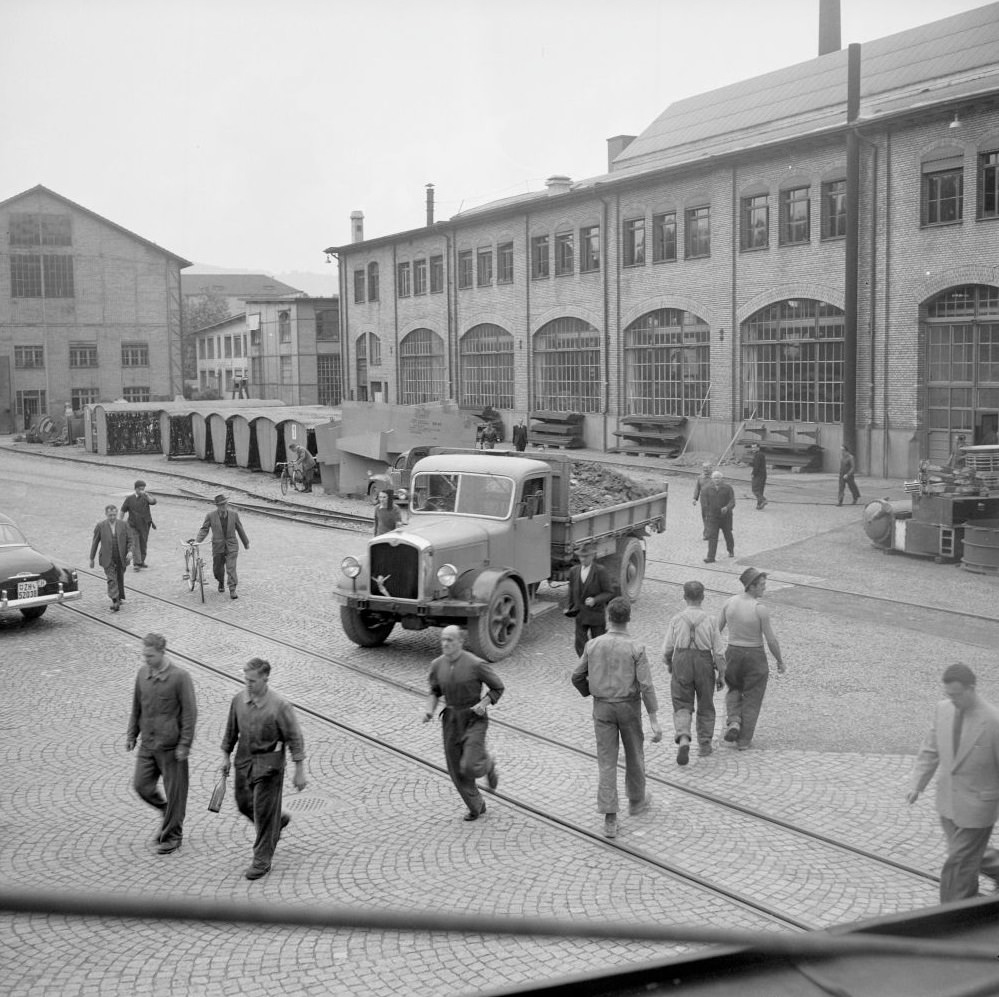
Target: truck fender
(478, 586)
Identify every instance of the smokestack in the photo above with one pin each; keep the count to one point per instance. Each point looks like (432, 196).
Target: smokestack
(357, 226)
(615, 146)
(430, 204)
(829, 31)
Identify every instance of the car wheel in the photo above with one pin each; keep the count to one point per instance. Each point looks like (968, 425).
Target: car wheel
(33, 612)
(497, 632)
(363, 628)
(627, 568)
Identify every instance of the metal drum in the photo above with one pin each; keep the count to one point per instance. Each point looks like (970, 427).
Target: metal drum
(981, 546)
(879, 519)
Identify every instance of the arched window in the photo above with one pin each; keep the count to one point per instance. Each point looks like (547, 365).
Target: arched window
(567, 366)
(792, 362)
(422, 372)
(667, 358)
(486, 365)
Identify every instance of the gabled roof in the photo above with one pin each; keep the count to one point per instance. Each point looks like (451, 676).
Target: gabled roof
(235, 285)
(217, 326)
(40, 189)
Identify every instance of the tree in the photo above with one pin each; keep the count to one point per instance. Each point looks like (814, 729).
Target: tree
(200, 311)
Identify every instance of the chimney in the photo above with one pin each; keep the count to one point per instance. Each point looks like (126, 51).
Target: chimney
(558, 184)
(357, 226)
(430, 204)
(615, 146)
(829, 30)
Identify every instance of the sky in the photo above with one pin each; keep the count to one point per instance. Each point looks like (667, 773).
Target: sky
(241, 134)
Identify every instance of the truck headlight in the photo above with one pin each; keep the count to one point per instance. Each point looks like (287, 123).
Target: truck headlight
(447, 575)
(401, 495)
(350, 566)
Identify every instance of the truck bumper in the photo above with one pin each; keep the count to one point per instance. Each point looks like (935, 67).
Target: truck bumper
(403, 607)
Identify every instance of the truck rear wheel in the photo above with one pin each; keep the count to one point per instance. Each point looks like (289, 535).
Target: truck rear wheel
(363, 628)
(497, 632)
(627, 568)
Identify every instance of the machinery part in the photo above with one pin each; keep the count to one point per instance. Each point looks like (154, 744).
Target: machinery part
(880, 516)
(627, 567)
(981, 546)
(364, 628)
(495, 633)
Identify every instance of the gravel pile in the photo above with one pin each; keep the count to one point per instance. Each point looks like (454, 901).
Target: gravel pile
(597, 486)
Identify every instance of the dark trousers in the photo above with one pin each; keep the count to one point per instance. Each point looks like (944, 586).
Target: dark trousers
(746, 675)
(259, 801)
(846, 481)
(585, 632)
(115, 575)
(225, 563)
(968, 855)
(150, 766)
(758, 486)
(465, 752)
(614, 724)
(724, 524)
(140, 537)
(693, 683)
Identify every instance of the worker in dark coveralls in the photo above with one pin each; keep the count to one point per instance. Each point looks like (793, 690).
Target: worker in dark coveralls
(458, 676)
(164, 714)
(758, 475)
(140, 521)
(721, 503)
(847, 468)
(115, 543)
(224, 525)
(262, 726)
(590, 589)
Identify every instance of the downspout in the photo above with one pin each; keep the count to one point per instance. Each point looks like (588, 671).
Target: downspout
(735, 335)
(872, 322)
(852, 250)
(451, 293)
(344, 327)
(395, 323)
(527, 316)
(885, 436)
(605, 277)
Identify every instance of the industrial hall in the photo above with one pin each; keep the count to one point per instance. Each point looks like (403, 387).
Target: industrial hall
(808, 258)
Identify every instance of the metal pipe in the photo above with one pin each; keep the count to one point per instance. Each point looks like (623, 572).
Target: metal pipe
(849, 419)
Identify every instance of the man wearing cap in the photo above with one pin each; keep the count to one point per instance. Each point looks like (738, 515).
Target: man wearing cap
(721, 502)
(746, 668)
(224, 525)
(702, 493)
(590, 589)
(140, 521)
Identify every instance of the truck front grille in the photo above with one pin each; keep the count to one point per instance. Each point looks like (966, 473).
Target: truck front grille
(398, 568)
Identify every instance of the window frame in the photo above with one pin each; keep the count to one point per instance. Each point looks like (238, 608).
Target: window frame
(30, 356)
(484, 267)
(373, 281)
(76, 354)
(360, 285)
(795, 231)
(466, 269)
(754, 236)
(540, 257)
(932, 198)
(663, 222)
(436, 267)
(589, 257)
(419, 276)
(504, 263)
(403, 279)
(633, 242)
(832, 196)
(565, 254)
(697, 232)
(988, 184)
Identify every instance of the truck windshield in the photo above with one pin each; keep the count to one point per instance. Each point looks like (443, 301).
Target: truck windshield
(464, 494)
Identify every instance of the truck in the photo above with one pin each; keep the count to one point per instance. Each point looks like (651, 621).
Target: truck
(485, 530)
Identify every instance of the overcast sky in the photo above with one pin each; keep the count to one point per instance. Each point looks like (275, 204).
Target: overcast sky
(242, 133)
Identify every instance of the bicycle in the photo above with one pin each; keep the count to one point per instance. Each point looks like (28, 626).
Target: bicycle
(194, 565)
(294, 478)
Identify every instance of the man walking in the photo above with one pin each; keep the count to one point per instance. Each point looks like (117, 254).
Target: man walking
(721, 502)
(458, 676)
(758, 475)
(225, 526)
(615, 671)
(140, 521)
(963, 747)
(746, 669)
(695, 658)
(115, 545)
(590, 589)
(702, 494)
(847, 466)
(261, 726)
(164, 713)
(520, 437)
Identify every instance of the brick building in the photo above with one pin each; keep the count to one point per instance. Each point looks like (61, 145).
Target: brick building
(707, 274)
(88, 311)
(222, 352)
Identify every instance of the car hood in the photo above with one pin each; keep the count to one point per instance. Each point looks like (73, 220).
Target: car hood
(447, 532)
(17, 560)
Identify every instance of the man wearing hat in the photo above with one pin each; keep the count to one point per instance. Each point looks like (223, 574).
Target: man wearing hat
(746, 668)
(225, 525)
(702, 493)
(590, 589)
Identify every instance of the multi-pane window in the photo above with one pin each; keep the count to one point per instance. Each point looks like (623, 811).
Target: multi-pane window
(419, 276)
(486, 364)
(29, 403)
(565, 256)
(422, 370)
(484, 267)
(567, 366)
(697, 232)
(589, 249)
(667, 355)
(943, 191)
(78, 397)
(754, 222)
(255, 337)
(539, 257)
(328, 380)
(83, 354)
(466, 268)
(26, 357)
(834, 209)
(237, 343)
(988, 185)
(792, 362)
(211, 347)
(57, 274)
(40, 230)
(372, 282)
(136, 355)
(47, 276)
(135, 394)
(25, 276)
(403, 287)
(284, 327)
(361, 355)
(795, 216)
(634, 242)
(664, 237)
(436, 274)
(374, 350)
(286, 370)
(228, 347)
(327, 324)
(504, 263)
(359, 286)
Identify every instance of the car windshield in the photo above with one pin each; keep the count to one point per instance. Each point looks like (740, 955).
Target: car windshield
(10, 534)
(464, 494)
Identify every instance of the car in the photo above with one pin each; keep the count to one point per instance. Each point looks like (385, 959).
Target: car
(30, 581)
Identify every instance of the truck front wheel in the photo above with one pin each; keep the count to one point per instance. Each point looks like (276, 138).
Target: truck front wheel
(363, 628)
(497, 632)
(627, 568)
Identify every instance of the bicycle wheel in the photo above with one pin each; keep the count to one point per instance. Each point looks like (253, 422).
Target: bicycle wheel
(191, 569)
(201, 577)
(284, 482)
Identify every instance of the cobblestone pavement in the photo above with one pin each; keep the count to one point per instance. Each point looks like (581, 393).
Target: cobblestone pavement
(379, 826)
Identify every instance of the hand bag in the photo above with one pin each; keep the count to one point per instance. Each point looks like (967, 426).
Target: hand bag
(218, 795)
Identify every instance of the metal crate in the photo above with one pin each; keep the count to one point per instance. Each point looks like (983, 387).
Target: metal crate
(981, 458)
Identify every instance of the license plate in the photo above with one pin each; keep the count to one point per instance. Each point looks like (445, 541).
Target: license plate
(27, 590)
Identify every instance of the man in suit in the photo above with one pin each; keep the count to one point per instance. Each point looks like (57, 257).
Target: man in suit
(590, 589)
(963, 747)
(520, 437)
(115, 543)
(140, 521)
(721, 502)
(224, 525)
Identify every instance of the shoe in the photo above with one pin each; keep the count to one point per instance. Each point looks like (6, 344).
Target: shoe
(255, 872)
(492, 777)
(639, 808)
(166, 847)
(704, 749)
(186, 576)
(764, 502)
(610, 825)
(115, 606)
(709, 560)
(731, 553)
(743, 747)
(221, 588)
(683, 753)
(472, 815)
(121, 599)
(840, 502)
(232, 595)
(856, 500)
(732, 734)
(285, 820)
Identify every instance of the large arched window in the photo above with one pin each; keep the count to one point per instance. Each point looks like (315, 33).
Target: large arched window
(422, 372)
(486, 366)
(792, 362)
(567, 366)
(667, 364)
(962, 367)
